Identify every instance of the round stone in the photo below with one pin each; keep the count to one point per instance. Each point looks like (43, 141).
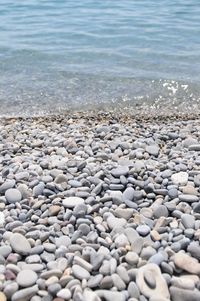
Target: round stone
(143, 230)
(13, 195)
(20, 244)
(26, 278)
(72, 202)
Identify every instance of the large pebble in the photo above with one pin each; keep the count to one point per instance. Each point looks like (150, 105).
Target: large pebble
(25, 294)
(180, 178)
(80, 272)
(187, 263)
(26, 278)
(120, 171)
(151, 282)
(188, 220)
(20, 244)
(13, 195)
(72, 202)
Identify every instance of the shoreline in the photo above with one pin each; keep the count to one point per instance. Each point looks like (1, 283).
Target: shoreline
(100, 206)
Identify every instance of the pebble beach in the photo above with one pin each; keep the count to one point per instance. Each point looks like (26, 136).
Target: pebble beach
(100, 207)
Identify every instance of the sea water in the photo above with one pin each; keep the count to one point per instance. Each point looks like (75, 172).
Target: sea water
(58, 55)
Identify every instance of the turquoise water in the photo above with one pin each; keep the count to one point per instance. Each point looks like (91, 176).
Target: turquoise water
(57, 55)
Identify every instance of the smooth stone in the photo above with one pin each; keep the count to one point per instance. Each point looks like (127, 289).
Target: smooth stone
(194, 249)
(188, 220)
(189, 190)
(161, 211)
(188, 198)
(72, 202)
(173, 193)
(7, 185)
(121, 241)
(62, 241)
(153, 149)
(5, 250)
(124, 213)
(95, 280)
(38, 189)
(80, 272)
(178, 294)
(137, 245)
(20, 244)
(25, 294)
(10, 289)
(133, 290)
(26, 278)
(158, 287)
(187, 263)
(132, 258)
(115, 222)
(180, 178)
(120, 171)
(118, 282)
(90, 295)
(13, 195)
(131, 234)
(64, 293)
(128, 194)
(143, 230)
(184, 283)
(111, 295)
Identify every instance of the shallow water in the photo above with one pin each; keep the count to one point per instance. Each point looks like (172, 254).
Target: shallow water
(57, 55)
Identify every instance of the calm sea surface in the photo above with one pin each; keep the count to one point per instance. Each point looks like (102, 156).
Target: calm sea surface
(63, 54)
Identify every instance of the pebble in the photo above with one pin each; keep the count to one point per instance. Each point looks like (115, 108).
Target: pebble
(178, 294)
(151, 282)
(25, 294)
(143, 230)
(187, 263)
(188, 220)
(13, 195)
(64, 294)
(72, 202)
(20, 244)
(180, 178)
(26, 278)
(97, 209)
(80, 272)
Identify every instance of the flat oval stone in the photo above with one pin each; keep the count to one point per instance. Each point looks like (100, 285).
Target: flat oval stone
(26, 278)
(72, 202)
(188, 198)
(20, 244)
(80, 272)
(13, 195)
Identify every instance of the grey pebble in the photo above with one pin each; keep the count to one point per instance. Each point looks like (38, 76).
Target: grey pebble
(13, 195)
